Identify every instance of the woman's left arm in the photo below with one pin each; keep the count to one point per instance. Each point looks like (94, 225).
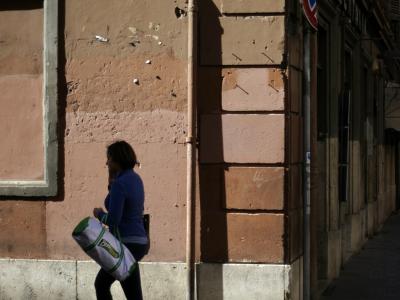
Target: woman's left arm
(99, 212)
(116, 205)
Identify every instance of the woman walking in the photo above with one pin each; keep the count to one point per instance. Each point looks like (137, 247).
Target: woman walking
(124, 204)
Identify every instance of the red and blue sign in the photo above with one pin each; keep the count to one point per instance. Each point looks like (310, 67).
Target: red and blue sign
(310, 10)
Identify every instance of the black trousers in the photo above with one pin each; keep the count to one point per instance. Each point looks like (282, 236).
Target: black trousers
(131, 286)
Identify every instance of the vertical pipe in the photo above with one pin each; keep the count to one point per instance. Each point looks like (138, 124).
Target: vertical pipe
(307, 161)
(191, 145)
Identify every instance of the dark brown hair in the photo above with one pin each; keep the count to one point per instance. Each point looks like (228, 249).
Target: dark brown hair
(123, 154)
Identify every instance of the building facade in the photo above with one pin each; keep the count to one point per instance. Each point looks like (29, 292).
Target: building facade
(355, 167)
(76, 75)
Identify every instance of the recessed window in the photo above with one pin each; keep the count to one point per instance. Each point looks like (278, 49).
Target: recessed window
(344, 126)
(28, 99)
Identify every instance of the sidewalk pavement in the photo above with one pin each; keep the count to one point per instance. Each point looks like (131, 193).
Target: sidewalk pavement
(374, 273)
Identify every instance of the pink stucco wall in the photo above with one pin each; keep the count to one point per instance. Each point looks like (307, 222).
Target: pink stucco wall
(103, 104)
(242, 123)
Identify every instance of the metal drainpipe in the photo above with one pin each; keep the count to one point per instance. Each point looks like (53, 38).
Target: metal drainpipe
(191, 146)
(307, 161)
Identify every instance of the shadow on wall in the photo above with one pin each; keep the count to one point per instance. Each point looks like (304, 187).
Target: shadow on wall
(21, 5)
(213, 231)
(62, 100)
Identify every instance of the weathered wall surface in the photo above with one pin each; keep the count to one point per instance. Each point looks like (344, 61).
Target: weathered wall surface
(21, 156)
(249, 123)
(249, 208)
(103, 104)
(243, 131)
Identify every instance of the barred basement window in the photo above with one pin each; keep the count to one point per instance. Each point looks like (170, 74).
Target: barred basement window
(395, 9)
(28, 84)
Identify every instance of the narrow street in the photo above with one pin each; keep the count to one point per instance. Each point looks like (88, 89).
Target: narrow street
(374, 273)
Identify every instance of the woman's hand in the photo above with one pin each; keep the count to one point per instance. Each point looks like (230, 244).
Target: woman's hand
(97, 211)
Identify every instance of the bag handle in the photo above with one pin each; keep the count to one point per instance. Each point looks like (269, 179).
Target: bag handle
(120, 242)
(103, 219)
(116, 233)
(121, 246)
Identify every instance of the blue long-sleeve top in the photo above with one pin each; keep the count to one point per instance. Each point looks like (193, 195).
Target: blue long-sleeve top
(125, 205)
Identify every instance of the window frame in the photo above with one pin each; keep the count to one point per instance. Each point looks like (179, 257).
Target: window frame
(48, 186)
(345, 125)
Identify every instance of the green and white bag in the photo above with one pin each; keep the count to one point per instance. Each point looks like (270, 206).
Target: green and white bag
(104, 248)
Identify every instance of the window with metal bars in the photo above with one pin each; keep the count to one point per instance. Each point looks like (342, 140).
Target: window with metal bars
(344, 127)
(395, 9)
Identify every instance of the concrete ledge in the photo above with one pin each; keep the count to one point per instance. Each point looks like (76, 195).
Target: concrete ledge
(159, 281)
(242, 281)
(58, 279)
(37, 279)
